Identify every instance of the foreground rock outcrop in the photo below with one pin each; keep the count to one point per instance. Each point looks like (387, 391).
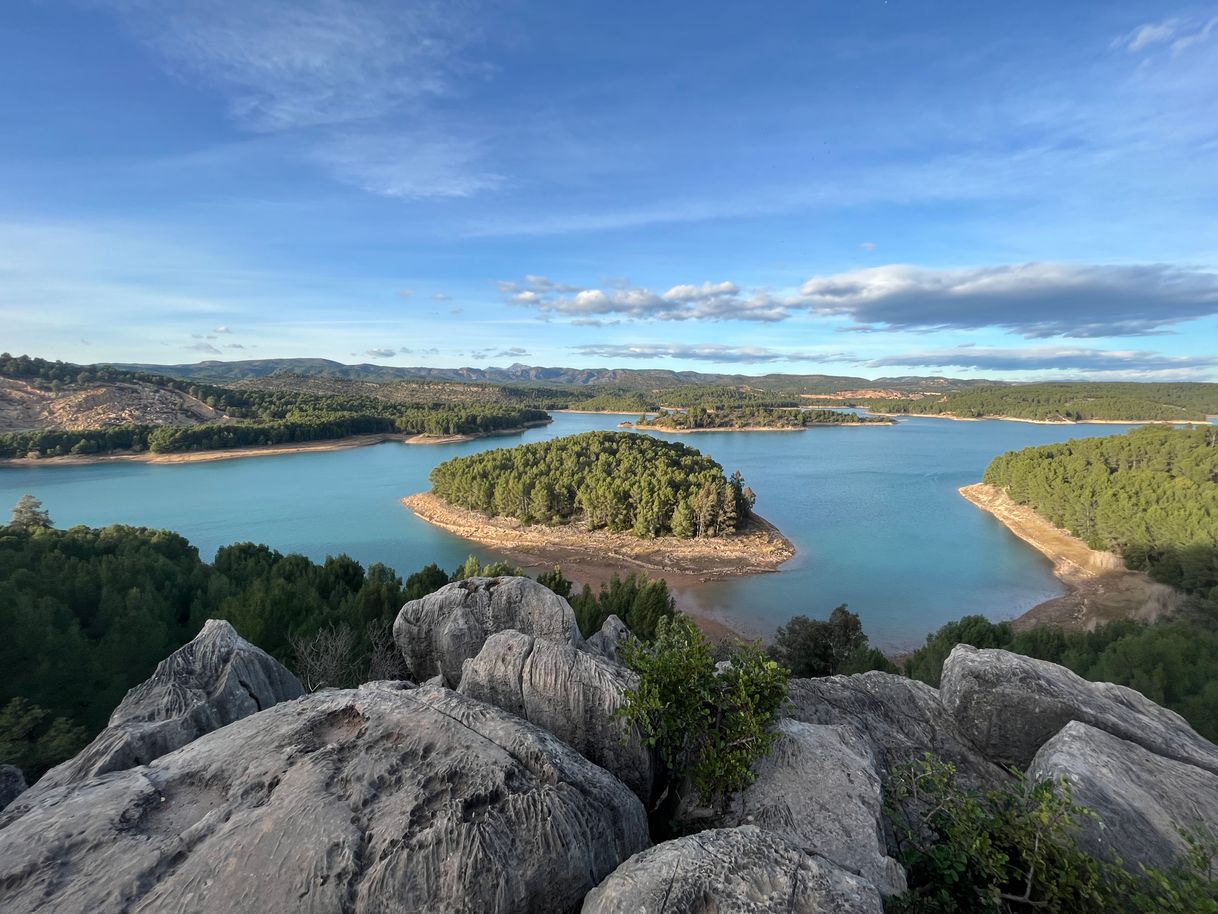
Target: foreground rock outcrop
(360, 801)
(607, 640)
(901, 719)
(1010, 705)
(216, 679)
(12, 784)
(571, 693)
(731, 871)
(1142, 801)
(438, 633)
(820, 791)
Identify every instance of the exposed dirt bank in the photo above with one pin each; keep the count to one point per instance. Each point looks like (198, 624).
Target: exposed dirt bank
(599, 553)
(1101, 588)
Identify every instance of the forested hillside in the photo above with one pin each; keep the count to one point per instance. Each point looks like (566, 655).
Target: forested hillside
(251, 417)
(616, 480)
(1150, 495)
(1070, 402)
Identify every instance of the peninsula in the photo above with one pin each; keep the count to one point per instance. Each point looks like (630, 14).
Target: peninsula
(753, 419)
(625, 499)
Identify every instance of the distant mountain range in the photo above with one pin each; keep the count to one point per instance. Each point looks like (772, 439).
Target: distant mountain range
(635, 378)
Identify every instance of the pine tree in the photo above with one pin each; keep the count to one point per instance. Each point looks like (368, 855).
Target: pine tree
(28, 514)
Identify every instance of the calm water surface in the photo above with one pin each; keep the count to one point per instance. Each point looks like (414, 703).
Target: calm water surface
(873, 512)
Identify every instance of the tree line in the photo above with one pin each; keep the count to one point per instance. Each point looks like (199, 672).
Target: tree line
(612, 480)
(1068, 402)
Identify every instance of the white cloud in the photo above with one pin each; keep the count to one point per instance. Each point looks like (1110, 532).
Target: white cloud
(408, 166)
(705, 352)
(1039, 358)
(222, 329)
(686, 301)
(381, 353)
(868, 246)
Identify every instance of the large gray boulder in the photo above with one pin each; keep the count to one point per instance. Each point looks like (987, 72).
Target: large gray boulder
(819, 790)
(442, 630)
(12, 784)
(609, 638)
(1010, 705)
(365, 801)
(1143, 801)
(731, 871)
(572, 693)
(901, 719)
(216, 679)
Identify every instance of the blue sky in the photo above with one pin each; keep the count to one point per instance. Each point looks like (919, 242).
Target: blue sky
(870, 188)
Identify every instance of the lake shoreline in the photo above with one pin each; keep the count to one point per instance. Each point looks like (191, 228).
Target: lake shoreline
(758, 428)
(759, 549)
(1100, 589)
(263, 450)
(1057, 422)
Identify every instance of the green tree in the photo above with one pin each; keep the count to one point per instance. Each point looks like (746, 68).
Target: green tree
(29, 514)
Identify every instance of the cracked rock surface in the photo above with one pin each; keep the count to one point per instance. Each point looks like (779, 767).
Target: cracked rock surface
(1142, 801)
(216, 679)
(358, 801)
(1010, 705)
(439, 632)
(572, 693)
(731, 871)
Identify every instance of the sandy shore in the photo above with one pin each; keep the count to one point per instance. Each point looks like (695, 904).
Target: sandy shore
(268, 450)
(1101, 589)
(599, 553)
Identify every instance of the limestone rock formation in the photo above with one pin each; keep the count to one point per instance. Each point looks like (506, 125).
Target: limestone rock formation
(901, 719)
(612, 633)
(442, 630)
(12, 784)
(731, 871)
(361, 801)
(1143, 800)
(1010, 705)
(216, 679)
(819, 790)
(572, 693)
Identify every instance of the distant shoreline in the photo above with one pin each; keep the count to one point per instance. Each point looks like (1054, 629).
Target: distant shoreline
(265, 450)
(1042, 421)
(1100, 588)
(760, 548)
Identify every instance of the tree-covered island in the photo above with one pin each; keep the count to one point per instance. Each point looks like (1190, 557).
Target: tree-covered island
(755, 418)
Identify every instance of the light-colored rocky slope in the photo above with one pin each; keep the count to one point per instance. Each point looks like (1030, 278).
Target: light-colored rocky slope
(26, 407)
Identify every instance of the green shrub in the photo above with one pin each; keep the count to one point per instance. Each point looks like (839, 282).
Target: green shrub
(709, 726)
(826, 647)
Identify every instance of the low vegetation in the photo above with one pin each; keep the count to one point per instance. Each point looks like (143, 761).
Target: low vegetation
(827, 647)
(1014, 851)
(708, 724)
(613, 480)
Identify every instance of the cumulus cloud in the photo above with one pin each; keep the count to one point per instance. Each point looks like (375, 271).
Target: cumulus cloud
(441, 296)
(222, 329)
(381, 353)
(515, 352)
(686, 301)
(1126, 361)
(204, 347)
(705, 352)
(1034, 299)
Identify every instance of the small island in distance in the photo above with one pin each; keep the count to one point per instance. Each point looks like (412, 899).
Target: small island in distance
(622, 498)
(752, 419)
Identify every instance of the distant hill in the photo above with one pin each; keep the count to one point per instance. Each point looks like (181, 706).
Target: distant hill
(636, 378)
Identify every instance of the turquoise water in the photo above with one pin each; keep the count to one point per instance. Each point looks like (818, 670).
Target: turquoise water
(873, 512)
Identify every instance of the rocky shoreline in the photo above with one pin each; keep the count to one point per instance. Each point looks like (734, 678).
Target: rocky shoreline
(1100, 588)
(758, 549)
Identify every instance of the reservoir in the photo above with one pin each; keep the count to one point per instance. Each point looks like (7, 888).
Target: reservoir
(873, 512)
